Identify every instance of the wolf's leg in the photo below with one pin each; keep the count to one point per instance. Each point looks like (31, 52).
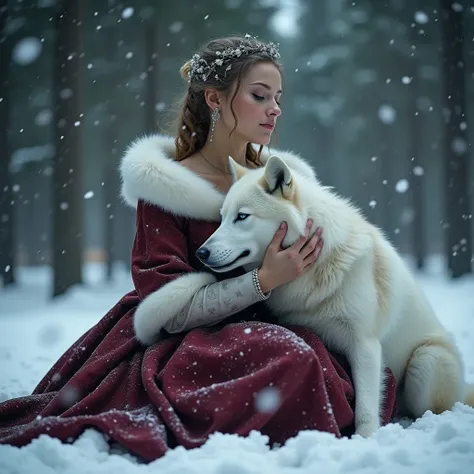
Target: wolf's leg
(365, 358)
(434, 378)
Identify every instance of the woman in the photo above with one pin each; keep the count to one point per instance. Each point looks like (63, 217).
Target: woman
(218, 363)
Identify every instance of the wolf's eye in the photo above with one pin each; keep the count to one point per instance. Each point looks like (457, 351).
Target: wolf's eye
(241, 216)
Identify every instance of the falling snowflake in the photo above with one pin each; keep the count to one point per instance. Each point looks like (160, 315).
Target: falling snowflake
(127, 12)
(89, 195)
(459, 145)
(65, 93)
(267, 400)
(402, 186)
(407, 216)
(27, 50)
(176, 26)
(387, 114)
(372, 204)
(69, 395)
(421, 17)
(44, 117)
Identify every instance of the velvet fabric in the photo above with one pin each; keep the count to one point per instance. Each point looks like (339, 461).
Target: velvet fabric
(246, 373)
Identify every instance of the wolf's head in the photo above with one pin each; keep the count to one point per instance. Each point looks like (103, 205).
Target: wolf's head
(256, 204)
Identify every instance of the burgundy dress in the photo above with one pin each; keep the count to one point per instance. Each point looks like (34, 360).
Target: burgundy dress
(179, 390)
(245, 373)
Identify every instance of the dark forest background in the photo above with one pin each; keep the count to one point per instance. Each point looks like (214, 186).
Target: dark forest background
(378, 97)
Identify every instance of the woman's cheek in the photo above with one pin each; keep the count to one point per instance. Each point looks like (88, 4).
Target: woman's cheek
(250, 106)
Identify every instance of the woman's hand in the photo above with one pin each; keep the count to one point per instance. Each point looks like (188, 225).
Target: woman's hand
(281, 266)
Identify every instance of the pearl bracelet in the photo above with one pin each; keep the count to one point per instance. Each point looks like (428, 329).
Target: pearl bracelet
(256, 284)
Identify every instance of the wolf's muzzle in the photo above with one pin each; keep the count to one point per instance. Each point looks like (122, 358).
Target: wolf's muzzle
(203, 254)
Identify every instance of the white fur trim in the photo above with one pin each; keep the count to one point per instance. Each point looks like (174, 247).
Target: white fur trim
(163, 304)
(149, 172)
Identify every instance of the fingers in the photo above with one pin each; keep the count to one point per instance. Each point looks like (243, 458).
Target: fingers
(311, 243)
(279, 236)
(313, 255)
(299, 244)
(302, 247)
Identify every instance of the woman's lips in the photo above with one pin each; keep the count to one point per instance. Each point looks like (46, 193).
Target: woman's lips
(268, 126)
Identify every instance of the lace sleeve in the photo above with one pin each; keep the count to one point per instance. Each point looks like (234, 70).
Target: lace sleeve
(217, 301)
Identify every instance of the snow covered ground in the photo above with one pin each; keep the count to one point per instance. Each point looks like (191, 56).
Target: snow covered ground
(34, 332)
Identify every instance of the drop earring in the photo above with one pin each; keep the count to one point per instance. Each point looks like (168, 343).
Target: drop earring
(215, 116)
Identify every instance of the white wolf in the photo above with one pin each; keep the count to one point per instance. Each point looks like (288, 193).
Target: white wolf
(359, 297)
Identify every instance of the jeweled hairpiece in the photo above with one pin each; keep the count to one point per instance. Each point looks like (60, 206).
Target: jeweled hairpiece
(201, 69)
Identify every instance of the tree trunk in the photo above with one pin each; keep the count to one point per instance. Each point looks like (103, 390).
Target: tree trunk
(457, 221)
(110, 164)
(67, 179)
(7, 247)
(151, 93)
(111, 189)
(418, 235)
(416, 172)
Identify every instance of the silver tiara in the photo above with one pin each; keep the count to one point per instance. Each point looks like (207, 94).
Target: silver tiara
(202, 69)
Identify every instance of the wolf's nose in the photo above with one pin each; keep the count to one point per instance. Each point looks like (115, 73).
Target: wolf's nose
(203, 254)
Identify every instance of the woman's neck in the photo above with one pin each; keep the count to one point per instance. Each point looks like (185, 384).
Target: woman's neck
(221, 147)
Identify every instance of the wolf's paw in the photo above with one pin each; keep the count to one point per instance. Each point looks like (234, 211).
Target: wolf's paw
(367, 428)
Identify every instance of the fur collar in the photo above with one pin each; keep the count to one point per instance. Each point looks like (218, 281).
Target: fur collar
(149, 172)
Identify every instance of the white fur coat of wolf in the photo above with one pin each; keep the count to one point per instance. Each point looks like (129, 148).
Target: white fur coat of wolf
(359, 297)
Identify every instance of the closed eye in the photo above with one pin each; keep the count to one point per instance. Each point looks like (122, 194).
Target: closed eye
(241, 216)
(259, 98)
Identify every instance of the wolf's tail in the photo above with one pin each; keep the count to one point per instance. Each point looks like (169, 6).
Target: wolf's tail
(469, 398)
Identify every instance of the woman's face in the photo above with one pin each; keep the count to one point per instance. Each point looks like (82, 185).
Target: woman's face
(256, 105)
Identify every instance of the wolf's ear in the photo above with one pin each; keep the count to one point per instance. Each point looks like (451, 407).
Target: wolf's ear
(237, 170)
(278, 177)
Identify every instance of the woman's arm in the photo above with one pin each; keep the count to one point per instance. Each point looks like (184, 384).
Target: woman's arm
(217, 301)
(169, 287)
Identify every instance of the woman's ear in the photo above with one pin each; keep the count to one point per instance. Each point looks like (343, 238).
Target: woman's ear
(212, 98)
